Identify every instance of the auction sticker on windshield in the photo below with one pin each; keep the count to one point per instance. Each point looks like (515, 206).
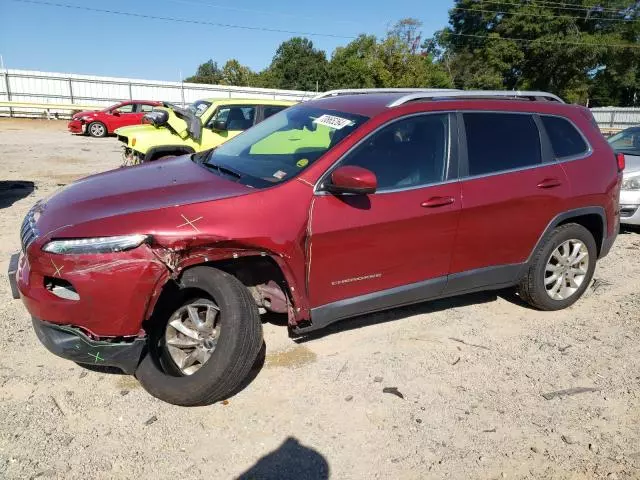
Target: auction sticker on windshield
(333, 122)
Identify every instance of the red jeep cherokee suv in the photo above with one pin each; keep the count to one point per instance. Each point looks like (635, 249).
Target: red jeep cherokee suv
(351, 203)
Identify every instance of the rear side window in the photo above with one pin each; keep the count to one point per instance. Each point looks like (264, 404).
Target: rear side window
(498, 142)
(565, 139)
(271, 110)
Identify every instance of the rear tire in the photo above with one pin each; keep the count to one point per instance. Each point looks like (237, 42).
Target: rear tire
(238, 343)
(97, 129)
(561, 268)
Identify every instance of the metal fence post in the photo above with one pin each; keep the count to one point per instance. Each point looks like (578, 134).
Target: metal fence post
(6, 83)
(613, 117)
(182, 92)
(130, 92)
(70, 90)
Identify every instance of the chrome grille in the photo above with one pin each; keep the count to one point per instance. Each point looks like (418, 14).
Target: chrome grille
(28, 231)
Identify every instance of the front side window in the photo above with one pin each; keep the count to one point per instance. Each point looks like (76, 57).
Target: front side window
(498, 142)
(407, 153)
(125, 108)
(627, 141)
(235, 117)
(282, 146)
(565, 139)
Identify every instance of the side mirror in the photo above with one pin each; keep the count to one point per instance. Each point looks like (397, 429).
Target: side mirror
(220, 125)
(352, 179)
(115, 113)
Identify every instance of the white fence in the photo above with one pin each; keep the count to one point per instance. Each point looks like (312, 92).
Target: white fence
(615, 118)
(48, 87)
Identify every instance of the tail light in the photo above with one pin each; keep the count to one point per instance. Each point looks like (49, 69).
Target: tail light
(621, 161)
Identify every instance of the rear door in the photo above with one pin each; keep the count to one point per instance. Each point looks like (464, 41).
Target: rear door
(401, 236)
(511, 188)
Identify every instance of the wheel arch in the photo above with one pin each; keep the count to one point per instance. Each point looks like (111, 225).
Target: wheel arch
(155, 152)
(594, 219)
(265, 275)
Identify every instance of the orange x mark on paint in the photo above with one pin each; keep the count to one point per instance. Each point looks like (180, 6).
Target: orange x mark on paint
(190, 223)
(58, 269)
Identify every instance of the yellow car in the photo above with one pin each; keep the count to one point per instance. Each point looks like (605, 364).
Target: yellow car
(170, 130)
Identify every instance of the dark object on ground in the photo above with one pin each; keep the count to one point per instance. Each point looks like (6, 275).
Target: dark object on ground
(569, 391)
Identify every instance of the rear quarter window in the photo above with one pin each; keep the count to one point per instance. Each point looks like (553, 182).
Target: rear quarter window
(565, 139)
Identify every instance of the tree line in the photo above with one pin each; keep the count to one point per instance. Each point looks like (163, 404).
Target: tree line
(586, 51)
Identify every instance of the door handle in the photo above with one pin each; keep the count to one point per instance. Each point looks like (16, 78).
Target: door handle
(437, 202)
(549, 183)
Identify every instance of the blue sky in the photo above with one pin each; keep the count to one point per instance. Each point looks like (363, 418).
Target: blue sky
(49, 38)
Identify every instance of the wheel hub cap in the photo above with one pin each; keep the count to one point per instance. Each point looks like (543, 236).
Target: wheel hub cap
(566, 269)
(192, 334)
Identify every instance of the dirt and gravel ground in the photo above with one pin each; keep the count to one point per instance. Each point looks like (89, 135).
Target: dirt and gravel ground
(470, 372)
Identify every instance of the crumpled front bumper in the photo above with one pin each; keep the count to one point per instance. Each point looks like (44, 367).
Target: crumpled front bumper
(72, 344)
(76, 126)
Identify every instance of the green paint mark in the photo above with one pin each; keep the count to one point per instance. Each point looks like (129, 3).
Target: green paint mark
(96, 357)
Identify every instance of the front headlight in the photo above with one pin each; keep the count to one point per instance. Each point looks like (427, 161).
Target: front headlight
(631, 182)
(86, 118)
(94, 245)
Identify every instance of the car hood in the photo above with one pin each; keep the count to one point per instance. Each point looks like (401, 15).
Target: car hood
(148, 187)
(83, 113)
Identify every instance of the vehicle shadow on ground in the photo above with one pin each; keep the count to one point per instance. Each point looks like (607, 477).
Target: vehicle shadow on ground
(400, 313)
(13, 190)
(291, 461)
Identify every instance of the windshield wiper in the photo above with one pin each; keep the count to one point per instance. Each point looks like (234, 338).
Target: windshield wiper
(223, 170)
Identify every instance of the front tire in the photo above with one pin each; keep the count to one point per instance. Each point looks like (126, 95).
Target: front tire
(561, 269)
(218, 349)
(97, 129)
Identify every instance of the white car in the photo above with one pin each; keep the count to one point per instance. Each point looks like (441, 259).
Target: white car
(627, 142)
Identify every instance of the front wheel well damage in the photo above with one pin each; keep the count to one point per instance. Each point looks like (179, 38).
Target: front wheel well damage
(260, 274)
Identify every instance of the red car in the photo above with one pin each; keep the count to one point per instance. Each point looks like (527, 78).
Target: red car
(100, 123)
(341, 206)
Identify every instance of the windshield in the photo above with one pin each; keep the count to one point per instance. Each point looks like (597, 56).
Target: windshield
(284, 145)
(199, 107)
(627, 141)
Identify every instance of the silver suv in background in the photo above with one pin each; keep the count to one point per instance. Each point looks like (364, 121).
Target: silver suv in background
(627, 142)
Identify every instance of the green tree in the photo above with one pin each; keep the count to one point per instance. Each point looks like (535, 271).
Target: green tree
(398, 60)
(297, 65)
(208, 72)
(234, 73)
(558, 47)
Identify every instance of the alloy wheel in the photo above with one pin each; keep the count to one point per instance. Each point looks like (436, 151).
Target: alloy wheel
(192, 334)
(97, 130)
(566, 269)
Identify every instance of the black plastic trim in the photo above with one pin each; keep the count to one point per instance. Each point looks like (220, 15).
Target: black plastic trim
(169, 150)
(11, 273)
(72, 344)
(487, 278)
(568, 215)
(374, 302)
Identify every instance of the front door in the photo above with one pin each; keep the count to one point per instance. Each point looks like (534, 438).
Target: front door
(237, 119)
(394, 246)
(124, 116)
